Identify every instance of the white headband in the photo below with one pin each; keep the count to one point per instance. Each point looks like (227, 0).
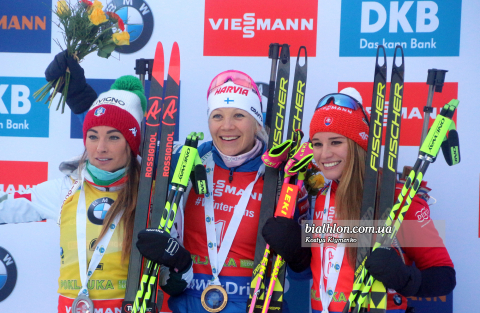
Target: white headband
(230, 95)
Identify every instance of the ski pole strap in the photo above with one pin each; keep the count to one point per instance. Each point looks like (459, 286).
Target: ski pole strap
(300, 160)
(439, 129)
(275, 156)
(451, 146)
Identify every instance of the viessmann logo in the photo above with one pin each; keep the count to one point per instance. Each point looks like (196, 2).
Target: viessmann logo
(422, 28)
(414, 99)
(26, 28)
(11, 181)
(246, 28)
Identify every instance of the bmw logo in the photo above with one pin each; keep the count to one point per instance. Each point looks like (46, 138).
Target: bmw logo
(138, 18)
(98, 210)
(397, 299)
(8, 274)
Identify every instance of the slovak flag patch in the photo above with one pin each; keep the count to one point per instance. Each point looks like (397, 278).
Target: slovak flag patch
(328, 121)
(99, 111)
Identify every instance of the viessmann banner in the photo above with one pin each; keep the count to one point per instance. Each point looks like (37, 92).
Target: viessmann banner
(246, 28)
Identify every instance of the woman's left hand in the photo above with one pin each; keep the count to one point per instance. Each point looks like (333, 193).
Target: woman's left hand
(385, 265)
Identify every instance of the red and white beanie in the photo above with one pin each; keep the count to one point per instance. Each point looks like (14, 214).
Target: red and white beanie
(344, 121)
(230, 95)
(122, 107)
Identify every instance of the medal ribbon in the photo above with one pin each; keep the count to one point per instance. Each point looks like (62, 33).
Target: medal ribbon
(327, 293)
(102, 245)
(217, 258)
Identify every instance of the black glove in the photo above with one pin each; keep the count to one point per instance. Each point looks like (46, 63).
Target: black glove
(284, 235)
(80, 95)
(385, 265)
(158, 246)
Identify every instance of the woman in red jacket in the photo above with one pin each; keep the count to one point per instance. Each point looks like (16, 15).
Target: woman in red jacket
(338, 133)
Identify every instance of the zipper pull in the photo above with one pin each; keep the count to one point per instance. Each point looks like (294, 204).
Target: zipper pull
(230, 178)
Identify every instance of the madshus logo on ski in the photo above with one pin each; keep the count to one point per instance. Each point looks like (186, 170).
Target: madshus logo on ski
(248, 28)
(422, 28)
(98, 210)
(414, 99)
(8, 274)
(138, 19)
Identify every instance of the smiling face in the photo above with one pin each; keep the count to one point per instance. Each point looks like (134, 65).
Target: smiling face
(106, 148)
(330, 151)
(233, 130)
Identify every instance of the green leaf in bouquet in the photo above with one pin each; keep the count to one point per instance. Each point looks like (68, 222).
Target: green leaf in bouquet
(105, 51)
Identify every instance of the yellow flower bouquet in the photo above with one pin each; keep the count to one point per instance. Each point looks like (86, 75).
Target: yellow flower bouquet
(86, 28)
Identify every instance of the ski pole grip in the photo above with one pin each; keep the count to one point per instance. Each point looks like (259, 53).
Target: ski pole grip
(273, 50)
(436, 78)
(144, 66)
(439, 80)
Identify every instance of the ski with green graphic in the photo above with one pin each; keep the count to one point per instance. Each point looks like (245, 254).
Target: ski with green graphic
(271, 299)
(443, 135)
(275, 121)
(189, 166)
(388, 180)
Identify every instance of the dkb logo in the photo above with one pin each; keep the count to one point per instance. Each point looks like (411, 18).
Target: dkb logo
(422, 28)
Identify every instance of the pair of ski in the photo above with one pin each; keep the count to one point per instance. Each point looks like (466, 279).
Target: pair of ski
(274, 124)
(296, 157)
(365, 285)
(153, 209)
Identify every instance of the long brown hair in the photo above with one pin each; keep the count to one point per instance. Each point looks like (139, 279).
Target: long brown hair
(126, 201)
(349, 194)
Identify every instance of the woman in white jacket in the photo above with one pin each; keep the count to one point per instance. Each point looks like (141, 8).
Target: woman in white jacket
(94, 203)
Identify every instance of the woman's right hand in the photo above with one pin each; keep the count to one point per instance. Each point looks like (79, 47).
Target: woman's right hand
(158, 246)
(284, 236)
(80, 95)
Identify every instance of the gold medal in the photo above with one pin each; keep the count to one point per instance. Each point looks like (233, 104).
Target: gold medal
(214, 298)
(83, 304)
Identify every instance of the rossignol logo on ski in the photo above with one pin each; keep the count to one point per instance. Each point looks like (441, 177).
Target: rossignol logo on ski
(153, 113)
(168, 155)
(279, 118)
(246, 29)
(168, 115)
(8, 274)
(138, 19)
(152, 145)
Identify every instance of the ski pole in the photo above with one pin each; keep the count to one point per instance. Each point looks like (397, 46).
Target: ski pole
(187, 160)
(428, 152)
(435, 80)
